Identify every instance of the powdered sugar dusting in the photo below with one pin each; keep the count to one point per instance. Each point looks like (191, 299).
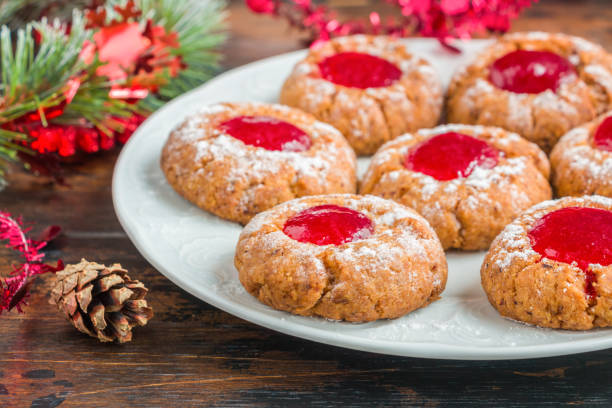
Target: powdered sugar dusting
(580, 43)
(575, 151)
(522, 110)
(453, 127)
(520, 107)
(261, 163)
(318, 94)
(386, 253)
(369, 254)
(595, 163)
(252, 164)
(384, 213)
(589, 200)
(601, 74)
(390, 218)
(513, 244)
(479, 181)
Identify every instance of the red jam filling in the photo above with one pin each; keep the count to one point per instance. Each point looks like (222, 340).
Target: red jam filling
(328, 225)
(575, 234)
(267, 132)
(451, 155)
(531, 72)
(603, 135)
(358, 70)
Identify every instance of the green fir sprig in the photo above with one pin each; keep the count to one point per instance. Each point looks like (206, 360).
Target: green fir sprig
(199, 25)
(36, 76)
(39, 60)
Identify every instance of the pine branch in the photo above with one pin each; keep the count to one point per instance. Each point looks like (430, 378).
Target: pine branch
(199, 25)
(93, 104)
(36, 77)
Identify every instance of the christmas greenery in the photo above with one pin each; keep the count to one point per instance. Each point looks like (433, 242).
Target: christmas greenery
(189, 19)
(37, 77)
(84, 81)
(197, 25)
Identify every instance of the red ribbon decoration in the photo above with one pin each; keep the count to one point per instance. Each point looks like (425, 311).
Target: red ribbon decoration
(14, 289)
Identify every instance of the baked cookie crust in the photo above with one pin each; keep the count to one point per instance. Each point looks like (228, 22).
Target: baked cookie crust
(543, 117)
(235, 181)
(367, 117)
(466, 212)
(578, 166)
(524, 286)
(399, 268)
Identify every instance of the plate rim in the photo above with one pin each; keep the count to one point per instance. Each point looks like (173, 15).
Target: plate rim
(404, 349)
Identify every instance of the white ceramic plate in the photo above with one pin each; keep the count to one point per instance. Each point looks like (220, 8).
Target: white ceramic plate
(195, 249)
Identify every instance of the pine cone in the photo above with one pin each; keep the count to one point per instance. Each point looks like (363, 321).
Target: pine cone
(101, 301)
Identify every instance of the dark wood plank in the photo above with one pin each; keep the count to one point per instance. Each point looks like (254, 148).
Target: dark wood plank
(192, 354)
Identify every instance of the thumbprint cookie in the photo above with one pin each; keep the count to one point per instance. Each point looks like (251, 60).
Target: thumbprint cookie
(467, 181)
(371, 88)
(238, 159)
(536, 84)
(342, 257)
(552, 266)
(582, 160)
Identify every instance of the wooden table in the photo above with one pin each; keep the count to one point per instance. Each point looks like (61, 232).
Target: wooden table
(192, 354)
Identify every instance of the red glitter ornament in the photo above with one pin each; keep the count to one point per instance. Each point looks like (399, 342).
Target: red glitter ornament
(88, 140)
(453, 7)
(137, 56)
(54, 138)
(130, 124)
(14, 289)
(67, 140)
(261, 6)
(442, 19)
(119, 46)
(107, 141)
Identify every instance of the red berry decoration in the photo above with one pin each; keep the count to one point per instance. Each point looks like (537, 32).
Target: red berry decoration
(579, 235)
(358, 70)
(328, 225)
(603, 135)
(268, 133)
(531, 72)
(451, 155)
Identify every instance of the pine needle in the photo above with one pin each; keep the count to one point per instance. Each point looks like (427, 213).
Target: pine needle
(199, 25)
(35, 77)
